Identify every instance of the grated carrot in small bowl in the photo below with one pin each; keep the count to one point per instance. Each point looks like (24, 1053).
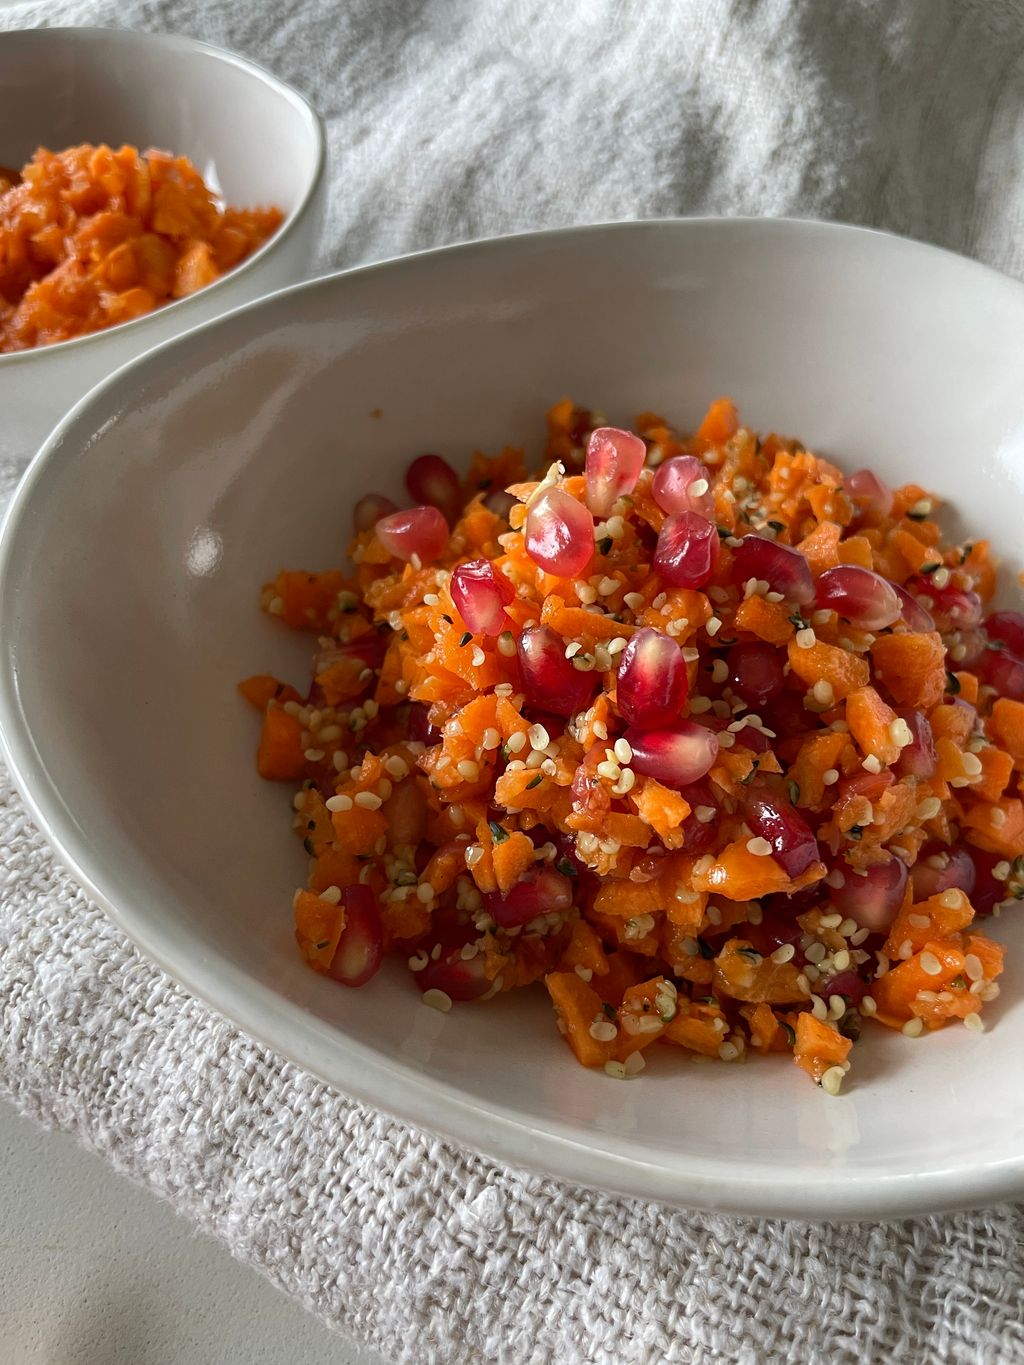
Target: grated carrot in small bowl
(720, 745)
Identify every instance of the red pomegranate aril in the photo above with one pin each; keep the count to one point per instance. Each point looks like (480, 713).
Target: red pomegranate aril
(750, 737)
(417, 531)
(361, 946)
(756, 673)
(699, 835)
(687, 550)
(549, 679)
(559, 534)
(950, 607)
(919, 757)
(1004, 671)
(614, 461)
(792, 840)
(1008, 627)
(500, 503)
(784, 569)
(481, 595)
(914, 615)
(431, 479)
(652, 682)
(682, 485)
(872, 786)
(869, 492)
(851, 986)
(420, 729)
(542, 892)
(675, 755)
(939, 868)
(369, 510)
(371, 647)
(788, 716)
(873, 896)
(989, 891)
(460, 978)
(860, 595)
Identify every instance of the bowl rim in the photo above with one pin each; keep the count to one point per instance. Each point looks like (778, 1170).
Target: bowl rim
(398, 1087)
(314, 128)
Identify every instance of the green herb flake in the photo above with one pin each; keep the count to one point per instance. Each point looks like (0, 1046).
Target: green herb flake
(745, 781)
(323, 944)
(307, 844)
(916, 516)
(931, 568)
(466, 638)
(958, 983)
(797, 620)
(751, 954)
(566, 866)
(723, 532)
(609, 1011)
(535, 783)
(952, 683)
(605, 544)
(855, 832)
(706, 950)
(498, 834)
(789, 1031)
(777, 526)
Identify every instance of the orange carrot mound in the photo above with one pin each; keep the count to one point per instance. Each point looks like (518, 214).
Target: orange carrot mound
(705, 809)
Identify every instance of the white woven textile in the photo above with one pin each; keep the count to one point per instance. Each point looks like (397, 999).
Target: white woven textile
(459, 118)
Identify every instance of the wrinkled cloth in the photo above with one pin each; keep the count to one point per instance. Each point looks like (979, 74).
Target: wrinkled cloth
(452, 119)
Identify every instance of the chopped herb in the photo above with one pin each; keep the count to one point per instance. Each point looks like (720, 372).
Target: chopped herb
(323, 944)
(952, 683)
(777, 526)
(994, 644)
(404, 635)
(855, 831)
(307, 844)
(466, 638)
(446, 617)
(794, 792)
(311, 824)
(705, 949)
(789, 1031)
(745, 516)
(605, 544)
(498, 834)
(704, 1000)
(916, 516)
(958, 983)
(566, 866)
(744, 781)
(849, 1025)
(797, 620)
(931, 568)
(535, 783)
(751, 954)
(609, 1011)
(723, 532)
(966, 553)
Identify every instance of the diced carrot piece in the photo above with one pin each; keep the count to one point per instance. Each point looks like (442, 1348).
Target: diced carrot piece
(870, 720)
(318, 926)
(762, 1026)
(628, 899)
(951, 761)
(939, 916)
(913, 551)
(334, 867)
(644, 1011)
(739, 875)
(719, 423)
(1006, 726)
(663, 809)
(953, 721)
(573, 623)
(856, 550)
(585, 950)
(307, 599)
(767, 620)
(263, 688)
(512, 857)
(828, 503)
(969, 686)
(577, 1006)
(819, 1045)
(357, 830)
(996, 769)
(821, 547)
(628, 830)
(743, 974)
(280, 755)
(913, 667)
(624, 971)
(817, 754)
(997, 826)
(843, 671)
(896, 991)
(989, 953)
(699, 1027)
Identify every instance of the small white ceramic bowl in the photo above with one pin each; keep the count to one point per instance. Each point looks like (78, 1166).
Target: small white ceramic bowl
(126, 618)
(251, 136)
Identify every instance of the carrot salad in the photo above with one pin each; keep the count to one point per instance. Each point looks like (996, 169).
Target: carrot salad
(712, 740)
(91, 237)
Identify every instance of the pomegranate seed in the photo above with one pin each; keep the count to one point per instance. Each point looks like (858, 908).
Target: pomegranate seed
(753, 739)
(541, 892)
(873, 897)
(787, 715)
(955, 873)
(369, 510)
(794, 846)
(672, 487)
(914, 615)
(420, 531)
(1008, 627)
(559, 534)
(988, 891)
(872, 786)
(869, 492)
(361, 946)
(862, 596)
(614, 461)
(481, 596)
(431, 480)
(784, 569)
(755, 673)
(500, 503)
(687, 550)
(698, 835)
(549, 679)
(951, 608)
(919, 758)
(652, 683)
(675, 755)
(420, 729)
(371, 647)
(460, 978)
(847, 984)
(1003, 670)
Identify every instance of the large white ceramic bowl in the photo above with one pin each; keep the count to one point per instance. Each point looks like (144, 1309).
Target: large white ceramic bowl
(131, 566)
(250, 135)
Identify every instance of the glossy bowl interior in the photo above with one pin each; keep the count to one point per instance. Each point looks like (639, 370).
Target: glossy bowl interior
(131, 568)
(251, 136)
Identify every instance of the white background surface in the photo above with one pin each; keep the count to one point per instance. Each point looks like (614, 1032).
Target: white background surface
(96, 1271)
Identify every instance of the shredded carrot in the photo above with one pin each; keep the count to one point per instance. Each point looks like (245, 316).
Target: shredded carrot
(685, 788)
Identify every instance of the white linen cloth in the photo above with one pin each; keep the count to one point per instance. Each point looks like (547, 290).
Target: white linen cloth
(452, 119)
